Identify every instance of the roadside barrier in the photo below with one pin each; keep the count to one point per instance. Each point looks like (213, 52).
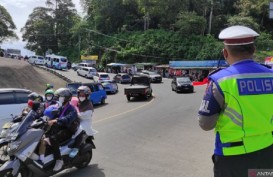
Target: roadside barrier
(55, 73)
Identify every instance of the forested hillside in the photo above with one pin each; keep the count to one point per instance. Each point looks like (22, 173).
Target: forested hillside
(144, 30)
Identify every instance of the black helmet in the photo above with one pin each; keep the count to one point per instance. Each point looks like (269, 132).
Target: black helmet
(63, 92)
(33, 96)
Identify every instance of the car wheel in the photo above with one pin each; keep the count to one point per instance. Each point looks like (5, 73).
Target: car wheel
(128, 98)
(78, 73)
(85, 76)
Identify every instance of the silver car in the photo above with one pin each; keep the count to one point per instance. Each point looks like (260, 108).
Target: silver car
(12, 101)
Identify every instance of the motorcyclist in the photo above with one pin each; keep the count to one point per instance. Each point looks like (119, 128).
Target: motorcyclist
(48, 87)
(67, 123)
(51, 113)
(86, 110)
(49, 97)
(33, 97)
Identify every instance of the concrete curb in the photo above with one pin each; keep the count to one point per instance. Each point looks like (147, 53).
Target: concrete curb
(55, 73)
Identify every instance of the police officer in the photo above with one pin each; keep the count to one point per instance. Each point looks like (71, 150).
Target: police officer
(237, 104)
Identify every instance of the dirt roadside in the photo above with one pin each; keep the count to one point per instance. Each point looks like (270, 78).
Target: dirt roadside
(20, 74)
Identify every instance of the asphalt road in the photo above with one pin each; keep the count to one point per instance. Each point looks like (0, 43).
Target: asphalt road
(155, 138)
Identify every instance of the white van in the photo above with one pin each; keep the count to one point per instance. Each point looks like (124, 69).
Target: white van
(56, 62)
(37, 60)
(87, 72)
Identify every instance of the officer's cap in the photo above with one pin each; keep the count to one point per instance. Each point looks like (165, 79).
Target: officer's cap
(238, 35)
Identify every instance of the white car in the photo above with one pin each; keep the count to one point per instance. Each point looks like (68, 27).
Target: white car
(110, 86)
(88, 72)
(100, 77)
(12, 101)
(37, 60)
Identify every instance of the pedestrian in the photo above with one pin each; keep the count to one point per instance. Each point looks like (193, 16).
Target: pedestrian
(237, 104)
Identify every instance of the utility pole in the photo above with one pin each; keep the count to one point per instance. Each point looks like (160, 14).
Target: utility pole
(210, 16)
(79, 47)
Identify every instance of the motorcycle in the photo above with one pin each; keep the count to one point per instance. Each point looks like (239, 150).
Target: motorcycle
(23, 148)
(7, 128)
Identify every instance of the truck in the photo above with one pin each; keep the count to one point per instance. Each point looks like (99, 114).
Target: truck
(140, 87)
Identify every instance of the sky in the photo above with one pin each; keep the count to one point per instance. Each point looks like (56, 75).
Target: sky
(19, 11)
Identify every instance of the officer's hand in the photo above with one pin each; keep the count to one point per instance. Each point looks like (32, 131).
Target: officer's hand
(51, 122)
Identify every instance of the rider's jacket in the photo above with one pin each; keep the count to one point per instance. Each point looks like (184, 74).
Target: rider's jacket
(68, 118)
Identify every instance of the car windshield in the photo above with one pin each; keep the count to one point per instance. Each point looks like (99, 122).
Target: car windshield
(140, 80)
(73, 87)
(125, 77)
(183, 80)
(41, 58)
(63, 59)
(152, 73)
(104, 76)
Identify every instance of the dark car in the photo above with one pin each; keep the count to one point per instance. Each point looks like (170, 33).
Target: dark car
(182, 84)
(122, 78)
(98, 95)
(140, 87)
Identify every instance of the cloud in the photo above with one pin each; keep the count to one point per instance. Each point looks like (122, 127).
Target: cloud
(21, 4)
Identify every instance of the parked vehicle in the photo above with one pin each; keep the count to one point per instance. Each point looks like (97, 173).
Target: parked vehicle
(122, 78)
(88, 72)
(37, 60)
(56, 62)
(155, 77)
(75, 66)
(140, 87)
(12, 102)
(86, 65)
(98, 95)
(182, 84)
(110, 86)
(100, 77)
(24, 144)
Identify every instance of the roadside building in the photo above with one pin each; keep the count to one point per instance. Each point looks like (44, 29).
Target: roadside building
(196, 70)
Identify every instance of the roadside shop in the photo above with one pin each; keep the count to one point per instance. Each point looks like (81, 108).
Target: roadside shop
(196, 70)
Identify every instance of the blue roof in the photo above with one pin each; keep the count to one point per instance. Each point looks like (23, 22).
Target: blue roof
(198, 64)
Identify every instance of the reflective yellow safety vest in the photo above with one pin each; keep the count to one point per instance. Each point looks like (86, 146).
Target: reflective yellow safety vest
(246, 123)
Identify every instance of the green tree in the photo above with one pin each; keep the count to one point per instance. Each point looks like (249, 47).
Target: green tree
(246, 21)
(49, 28)
(190, 23)
(7, 25)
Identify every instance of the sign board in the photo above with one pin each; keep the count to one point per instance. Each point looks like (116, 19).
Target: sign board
(89, 57)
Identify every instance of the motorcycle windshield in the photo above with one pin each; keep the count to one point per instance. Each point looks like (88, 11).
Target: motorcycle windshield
(23, 127)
